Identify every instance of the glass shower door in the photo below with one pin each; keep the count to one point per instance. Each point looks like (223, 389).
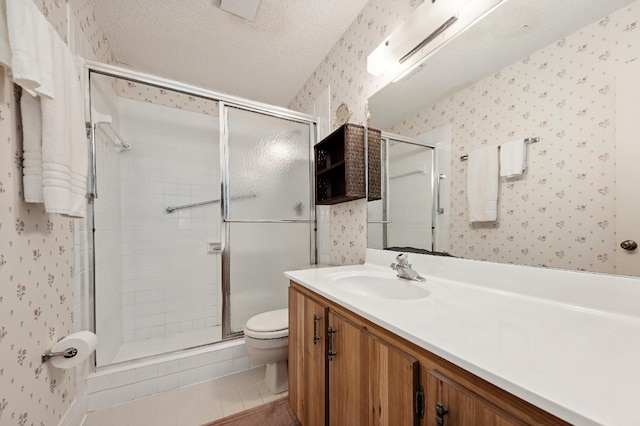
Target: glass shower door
(269, 215)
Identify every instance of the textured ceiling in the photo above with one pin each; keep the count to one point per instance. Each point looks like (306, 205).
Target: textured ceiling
(194, 41)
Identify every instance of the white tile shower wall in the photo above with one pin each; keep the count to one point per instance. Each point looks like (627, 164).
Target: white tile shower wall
(170, 281)
(116, 385)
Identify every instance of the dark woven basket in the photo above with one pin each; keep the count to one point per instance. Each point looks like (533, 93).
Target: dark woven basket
(374, 137)
(354, 159)
(340, 166)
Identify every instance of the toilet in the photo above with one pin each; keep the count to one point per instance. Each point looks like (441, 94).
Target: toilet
(266, 336)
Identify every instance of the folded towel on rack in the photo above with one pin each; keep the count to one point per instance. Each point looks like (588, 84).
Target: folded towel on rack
(482, 184)
(29, 38)
(64, 144)
(513, 158)
(32, 148)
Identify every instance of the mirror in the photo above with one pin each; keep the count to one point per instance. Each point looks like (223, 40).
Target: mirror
(542, 69)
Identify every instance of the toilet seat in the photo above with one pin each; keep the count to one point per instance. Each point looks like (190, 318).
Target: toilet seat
(268, 325)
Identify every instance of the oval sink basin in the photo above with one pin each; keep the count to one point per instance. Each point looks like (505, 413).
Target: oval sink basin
(378, 285)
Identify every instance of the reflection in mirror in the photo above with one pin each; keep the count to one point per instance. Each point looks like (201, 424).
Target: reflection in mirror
(409, 217)
(563, 212)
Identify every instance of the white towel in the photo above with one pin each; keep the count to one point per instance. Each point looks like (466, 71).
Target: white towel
(32, 147)
(5, 47)
(22, 24)
(30, 38)
(513, 158)
(64, 143)
(482, 184)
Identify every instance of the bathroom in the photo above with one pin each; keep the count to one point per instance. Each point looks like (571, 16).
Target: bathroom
(45, 259)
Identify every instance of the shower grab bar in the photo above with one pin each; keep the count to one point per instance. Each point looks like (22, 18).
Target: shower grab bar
(268, 221)
(171, 209)
(379, 221)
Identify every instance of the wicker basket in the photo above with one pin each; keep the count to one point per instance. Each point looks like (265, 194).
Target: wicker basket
(340, 166)
(375, 165)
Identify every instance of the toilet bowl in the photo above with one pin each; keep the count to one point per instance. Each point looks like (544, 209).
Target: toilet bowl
(266, 336)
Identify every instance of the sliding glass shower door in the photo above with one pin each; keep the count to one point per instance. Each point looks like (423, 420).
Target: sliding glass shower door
(268, 210)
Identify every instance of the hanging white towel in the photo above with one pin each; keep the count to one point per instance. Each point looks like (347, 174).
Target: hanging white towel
(513, 158)
(64, 144)
(32, 148)
(5, 47)
(22, 24)
(482, 184)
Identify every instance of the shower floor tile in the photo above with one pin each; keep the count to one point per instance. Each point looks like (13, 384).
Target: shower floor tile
(156, 346)
(190, 405)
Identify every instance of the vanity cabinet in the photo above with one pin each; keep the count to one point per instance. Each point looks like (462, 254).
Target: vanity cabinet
(308, 358)
(349, 371)
(358, 378)
(370, 381)
(449, 403)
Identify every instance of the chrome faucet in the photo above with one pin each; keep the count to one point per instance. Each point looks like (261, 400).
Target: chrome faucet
(404, 270)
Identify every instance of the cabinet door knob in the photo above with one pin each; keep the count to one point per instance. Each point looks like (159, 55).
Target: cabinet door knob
(316, 338)
(629, 245)
(440, 412)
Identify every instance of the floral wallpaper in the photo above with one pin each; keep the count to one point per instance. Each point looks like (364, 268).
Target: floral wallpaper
(92, 32)
(344, 70)
(348, 233)
(561, 213)
(36, 268)
(566, 197)
(37, 280)
(56, 13)
(169, 98)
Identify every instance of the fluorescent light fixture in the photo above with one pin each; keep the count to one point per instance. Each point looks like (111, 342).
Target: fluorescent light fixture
(428, 28)
(243, 8)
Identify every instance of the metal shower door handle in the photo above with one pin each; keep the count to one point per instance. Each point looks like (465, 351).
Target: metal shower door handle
(439, 208)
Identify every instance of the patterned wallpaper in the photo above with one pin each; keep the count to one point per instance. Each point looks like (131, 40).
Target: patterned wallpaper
(566, 195)
(561, 213)
(92, 32)
(36, 266)
(56, 13)
(158, 96)
(344, 70)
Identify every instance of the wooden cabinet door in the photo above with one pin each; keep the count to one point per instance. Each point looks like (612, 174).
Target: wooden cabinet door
(370, 382)
(307, 359)
(393, 381)
(450, 404)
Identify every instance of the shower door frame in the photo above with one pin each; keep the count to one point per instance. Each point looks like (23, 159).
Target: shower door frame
(224, 101)
(225, 203)
(387, 137)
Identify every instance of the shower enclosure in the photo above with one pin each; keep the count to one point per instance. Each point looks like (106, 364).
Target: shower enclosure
(200, 203)
(404, 216)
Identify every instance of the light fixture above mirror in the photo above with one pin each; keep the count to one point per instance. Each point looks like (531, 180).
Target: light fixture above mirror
(429, 28)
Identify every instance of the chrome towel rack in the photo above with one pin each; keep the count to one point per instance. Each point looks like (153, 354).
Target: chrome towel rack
(534, 139)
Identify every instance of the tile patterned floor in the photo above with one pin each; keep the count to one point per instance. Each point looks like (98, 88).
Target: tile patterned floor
(191, 405)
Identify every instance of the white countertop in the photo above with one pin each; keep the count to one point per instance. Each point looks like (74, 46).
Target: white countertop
(576, 356)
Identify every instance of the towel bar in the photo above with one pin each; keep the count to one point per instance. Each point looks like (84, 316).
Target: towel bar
(527, 140)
